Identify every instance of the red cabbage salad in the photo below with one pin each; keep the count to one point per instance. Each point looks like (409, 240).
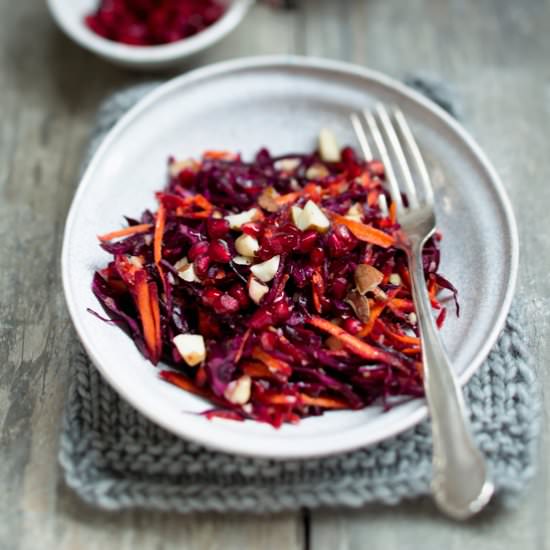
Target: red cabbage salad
(272, 288)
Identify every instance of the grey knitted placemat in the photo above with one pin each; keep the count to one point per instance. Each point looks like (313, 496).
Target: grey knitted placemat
(115, 458)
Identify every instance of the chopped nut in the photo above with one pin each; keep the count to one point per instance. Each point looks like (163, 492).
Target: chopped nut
(191, 348)
(243, 260)
(136, 261)
(267, 199)
(265, 271)
(247, 245)
(367, 278)
(294, 185)
(296, 215)
(379, 295)
(412, 318)
(287, 165)
(317, 172)
(360, 305)
(310, 217)
(355, 213)
(328, 147)
(395, 279)
(177, 166)
(256, 290)
(186, 271)
(237, 220)
(238, 391)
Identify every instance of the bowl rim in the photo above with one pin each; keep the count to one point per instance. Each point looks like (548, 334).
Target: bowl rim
(242, 447)
(162, 53)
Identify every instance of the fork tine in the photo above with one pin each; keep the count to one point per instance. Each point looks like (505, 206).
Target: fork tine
(390, 174)
(399, 155)
(415, 153)
(361, 137)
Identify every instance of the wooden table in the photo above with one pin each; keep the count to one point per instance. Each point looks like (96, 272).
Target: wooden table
(495, 52)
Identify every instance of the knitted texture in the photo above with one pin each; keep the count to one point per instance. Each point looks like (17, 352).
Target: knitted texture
(115, 458)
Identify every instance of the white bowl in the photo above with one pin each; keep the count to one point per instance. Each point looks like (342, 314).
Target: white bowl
(69, 15)
(281, 103)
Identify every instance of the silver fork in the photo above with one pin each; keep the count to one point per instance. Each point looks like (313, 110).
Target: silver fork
(460, 484)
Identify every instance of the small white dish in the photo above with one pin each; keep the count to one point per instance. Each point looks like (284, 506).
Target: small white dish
(281, 103)
(70, 14)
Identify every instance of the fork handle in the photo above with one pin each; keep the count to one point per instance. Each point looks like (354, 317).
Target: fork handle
(460, 482)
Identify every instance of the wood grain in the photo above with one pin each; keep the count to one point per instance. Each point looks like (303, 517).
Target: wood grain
(495, 52)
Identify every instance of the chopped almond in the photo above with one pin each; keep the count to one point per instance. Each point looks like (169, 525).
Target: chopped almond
(367, 278)
(360, 305)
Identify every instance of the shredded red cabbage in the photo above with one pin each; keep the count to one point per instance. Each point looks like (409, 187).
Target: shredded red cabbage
(272, 287)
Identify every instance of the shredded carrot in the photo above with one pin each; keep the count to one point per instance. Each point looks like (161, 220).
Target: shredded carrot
(184, 205)
(375, 312)
(324, 402)
(126, 232)
(401, 305)
(202, 202)
(185, 213)
(411, 351)
(317, 288)
(354, 344)
(312, 191)
(402, 338)
(273, 363)
(149, 314)
(277, 399)
(183, 382)
(287, 198)
(393, 212)
(219, 155)
(336, 188)
(365, 232)
(405, 276)
(256, 369)
(155, 313)
(240, 351)
(159, 233)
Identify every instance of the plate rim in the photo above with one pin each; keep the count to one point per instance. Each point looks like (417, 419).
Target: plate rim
(286, 62)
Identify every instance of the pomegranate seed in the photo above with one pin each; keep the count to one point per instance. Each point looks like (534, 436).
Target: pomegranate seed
(219, 252)
(340, 241)
(216, 228)
(307, 241)
(238, 292)
(348, 156)
(210, 295)
(226, 304)
(261, 319)
(317, 256)
(353, 326)
(197, 249)
(281, 311)
(269, 340)
(148, 22)
(201, 264)
(251, 228)
(339, 288)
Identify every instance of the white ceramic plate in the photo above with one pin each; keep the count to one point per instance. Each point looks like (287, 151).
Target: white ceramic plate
(281, 103)
(69, 15)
